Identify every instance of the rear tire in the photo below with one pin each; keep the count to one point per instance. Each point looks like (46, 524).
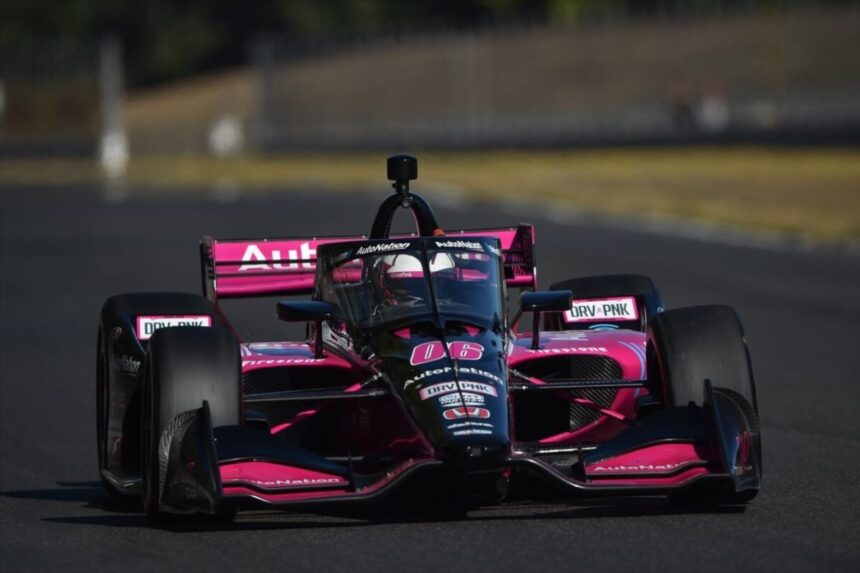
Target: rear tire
(184, 367)
(607, 285)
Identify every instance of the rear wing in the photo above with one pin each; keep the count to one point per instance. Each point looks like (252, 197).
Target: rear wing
(236, 268)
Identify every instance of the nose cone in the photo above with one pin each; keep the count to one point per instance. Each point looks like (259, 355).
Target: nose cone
(462, 409)
(463, 412)
(477, 453)
(457, 395)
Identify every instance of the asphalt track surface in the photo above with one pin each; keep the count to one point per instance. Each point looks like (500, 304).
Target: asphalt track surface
(64, 250)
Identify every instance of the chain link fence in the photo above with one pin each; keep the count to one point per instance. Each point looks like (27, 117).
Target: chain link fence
(771, 76)
(49, 100)
(749, 76)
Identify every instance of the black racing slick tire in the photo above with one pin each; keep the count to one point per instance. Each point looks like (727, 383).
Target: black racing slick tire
(185, 366)
(689, 345)
(120, 356)
(607, 286)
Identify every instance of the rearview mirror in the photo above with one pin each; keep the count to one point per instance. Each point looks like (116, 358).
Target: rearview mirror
(305, 310)
(314, 311)
(541, 301)
(552, 300)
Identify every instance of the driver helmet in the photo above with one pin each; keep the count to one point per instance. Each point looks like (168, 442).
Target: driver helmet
(402, 274)
(408, 266)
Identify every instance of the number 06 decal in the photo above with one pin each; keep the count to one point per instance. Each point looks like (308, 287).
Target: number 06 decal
(433, 351)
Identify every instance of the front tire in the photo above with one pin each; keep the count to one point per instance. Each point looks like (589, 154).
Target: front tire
(687, 346)
(119, 357)
(696, 343)
(184, 367)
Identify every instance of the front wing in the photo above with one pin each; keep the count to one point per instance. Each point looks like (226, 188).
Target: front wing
(666, 452)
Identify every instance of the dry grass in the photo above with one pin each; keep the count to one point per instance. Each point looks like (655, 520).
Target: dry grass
(806, 192)
(809, 192)
(178, 117)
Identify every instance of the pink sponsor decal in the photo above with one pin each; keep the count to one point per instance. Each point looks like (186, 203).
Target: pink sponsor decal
(300, 417)
(281, 361)
(147, 325)
(568, 350)
(427, 352)
(626, 347)
(661, 459)
(258, 355)
(682, 477)
(433, 351)
(269, 476)
(292, 495)
(602, 310)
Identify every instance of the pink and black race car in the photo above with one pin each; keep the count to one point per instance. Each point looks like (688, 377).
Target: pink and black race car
(414, 371)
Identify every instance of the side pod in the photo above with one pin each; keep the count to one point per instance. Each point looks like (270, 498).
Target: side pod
(188, 479)
(737, 433)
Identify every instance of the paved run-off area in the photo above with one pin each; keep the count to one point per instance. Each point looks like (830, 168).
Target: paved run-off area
(63, 250)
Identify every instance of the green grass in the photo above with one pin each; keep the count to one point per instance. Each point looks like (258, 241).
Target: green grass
(812, 192)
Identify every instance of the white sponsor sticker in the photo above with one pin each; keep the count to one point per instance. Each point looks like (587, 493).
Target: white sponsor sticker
(451, 387)
(448, 369)
(468, 399)
(603, 309)
(129, 364)
(381, 248)
(575, 335)
(471, 431)
(460, 244)
(437, 390)
(482, 373)
(147, 325)
(470, 423)
(255, 259)
(478, 387)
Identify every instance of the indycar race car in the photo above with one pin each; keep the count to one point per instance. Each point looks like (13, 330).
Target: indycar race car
(413, 370)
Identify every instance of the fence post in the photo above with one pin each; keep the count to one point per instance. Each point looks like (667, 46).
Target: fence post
(264, 62)
(113, 140)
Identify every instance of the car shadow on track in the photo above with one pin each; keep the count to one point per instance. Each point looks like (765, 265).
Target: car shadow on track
(116, 511)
